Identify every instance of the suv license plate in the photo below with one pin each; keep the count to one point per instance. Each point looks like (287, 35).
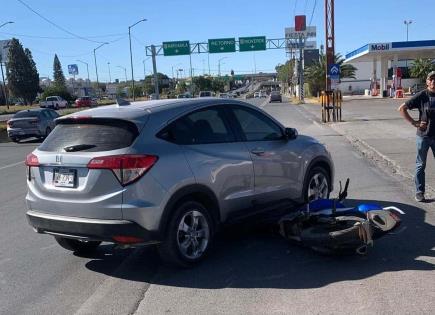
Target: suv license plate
(64, 178)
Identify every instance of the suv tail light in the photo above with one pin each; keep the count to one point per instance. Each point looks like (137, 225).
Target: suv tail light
(127, 168)
(31, 160)
(9, 123)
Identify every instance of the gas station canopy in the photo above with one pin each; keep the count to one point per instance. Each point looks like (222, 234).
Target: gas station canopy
(393, 50)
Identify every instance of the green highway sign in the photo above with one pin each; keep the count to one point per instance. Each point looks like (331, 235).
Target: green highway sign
(252, 43)
(221, 45)
(176, 48)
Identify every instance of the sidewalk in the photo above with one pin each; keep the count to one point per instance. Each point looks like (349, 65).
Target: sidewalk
(375, 127)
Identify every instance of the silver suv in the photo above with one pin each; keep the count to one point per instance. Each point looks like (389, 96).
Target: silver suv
(168, 172)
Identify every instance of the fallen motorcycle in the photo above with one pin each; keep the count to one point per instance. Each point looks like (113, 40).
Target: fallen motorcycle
(328, 226)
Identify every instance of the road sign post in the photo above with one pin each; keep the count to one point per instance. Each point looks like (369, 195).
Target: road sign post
(221, 45)
(252, 43)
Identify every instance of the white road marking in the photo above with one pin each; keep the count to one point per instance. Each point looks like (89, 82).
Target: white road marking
(11, 165)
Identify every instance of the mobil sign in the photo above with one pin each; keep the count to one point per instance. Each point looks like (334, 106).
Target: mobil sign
(380, 47)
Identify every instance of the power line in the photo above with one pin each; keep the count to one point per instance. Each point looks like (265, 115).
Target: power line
(57, 26)
(56, 37)
(312, 12)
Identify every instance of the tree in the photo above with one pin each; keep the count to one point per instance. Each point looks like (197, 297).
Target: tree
(218, 85)
(59, 78)
(285, 72)
(23, 78)
(34, 77)
(421, 67)
(315, 75)
(202, 83)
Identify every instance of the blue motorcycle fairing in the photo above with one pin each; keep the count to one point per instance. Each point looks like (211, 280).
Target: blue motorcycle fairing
(322, 204)
(366, 207)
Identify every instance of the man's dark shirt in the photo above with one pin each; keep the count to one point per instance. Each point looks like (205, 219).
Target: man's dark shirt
(424, 101)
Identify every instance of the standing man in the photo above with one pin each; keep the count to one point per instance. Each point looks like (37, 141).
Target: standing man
(424, 101)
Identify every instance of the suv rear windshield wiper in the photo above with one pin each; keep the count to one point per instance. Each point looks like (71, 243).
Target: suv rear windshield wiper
(79, 147)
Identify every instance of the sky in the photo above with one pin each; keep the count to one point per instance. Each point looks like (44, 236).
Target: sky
(72, 29)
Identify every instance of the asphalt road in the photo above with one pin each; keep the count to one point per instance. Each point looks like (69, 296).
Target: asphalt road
(251, 270)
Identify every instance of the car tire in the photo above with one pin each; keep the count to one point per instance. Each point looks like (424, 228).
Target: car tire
(56, 107)
(16, 140)
(317, 184)
(189, 235)
(77, 245)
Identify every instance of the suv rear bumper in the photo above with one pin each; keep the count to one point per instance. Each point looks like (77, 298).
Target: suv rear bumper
(90, 229)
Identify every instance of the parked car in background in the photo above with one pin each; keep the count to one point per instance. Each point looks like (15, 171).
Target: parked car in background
(263, 94)
(55, 102)
(224, 95)
(184, 95)
(275, 96)
(168, 173)
(85, 101)
(31, 123)
(205, 94)
(257, 94)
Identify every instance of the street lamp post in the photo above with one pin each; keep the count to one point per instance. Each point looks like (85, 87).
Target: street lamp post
(131, 55)
(219, 65)
(125, 72)
(110, 76)
(407, 26)
(96, 67)
(87, 69)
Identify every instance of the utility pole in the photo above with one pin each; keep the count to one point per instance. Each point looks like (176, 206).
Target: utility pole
(131, 55)
(330, 38)
(156, 79)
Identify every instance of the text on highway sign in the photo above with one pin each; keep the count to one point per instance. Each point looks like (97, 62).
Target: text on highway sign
(176, 48)
(252, 43)
(221, 45)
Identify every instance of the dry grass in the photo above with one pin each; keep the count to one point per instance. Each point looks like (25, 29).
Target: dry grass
(2, 126)
(15, 108)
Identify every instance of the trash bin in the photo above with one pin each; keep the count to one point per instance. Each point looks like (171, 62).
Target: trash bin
(384, 93)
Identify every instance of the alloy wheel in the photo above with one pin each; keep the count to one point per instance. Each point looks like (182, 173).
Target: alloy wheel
(318, 187)
(193, 234)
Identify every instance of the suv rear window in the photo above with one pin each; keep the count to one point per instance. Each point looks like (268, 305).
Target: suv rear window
(94, 134)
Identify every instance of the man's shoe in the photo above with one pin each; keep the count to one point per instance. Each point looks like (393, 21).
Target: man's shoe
(419, 196)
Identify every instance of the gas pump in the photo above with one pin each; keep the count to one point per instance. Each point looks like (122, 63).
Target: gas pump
(397, 80)
(374, 87)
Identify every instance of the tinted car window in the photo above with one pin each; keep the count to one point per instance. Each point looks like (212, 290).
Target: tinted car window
(53, 114)
(98, 135)
(26, 114)
(46, 114)
(51, 99)
(201, 127)
(256, 126)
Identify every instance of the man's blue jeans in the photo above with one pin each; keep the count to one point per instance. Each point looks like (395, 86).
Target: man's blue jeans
(423, 145)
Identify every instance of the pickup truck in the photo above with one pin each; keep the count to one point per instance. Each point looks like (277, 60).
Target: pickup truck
(55, 102)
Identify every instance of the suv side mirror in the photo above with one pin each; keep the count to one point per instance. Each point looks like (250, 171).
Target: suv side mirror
(291, 133)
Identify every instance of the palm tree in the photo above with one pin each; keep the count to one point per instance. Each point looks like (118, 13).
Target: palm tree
(421, 67)
(315, 74)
